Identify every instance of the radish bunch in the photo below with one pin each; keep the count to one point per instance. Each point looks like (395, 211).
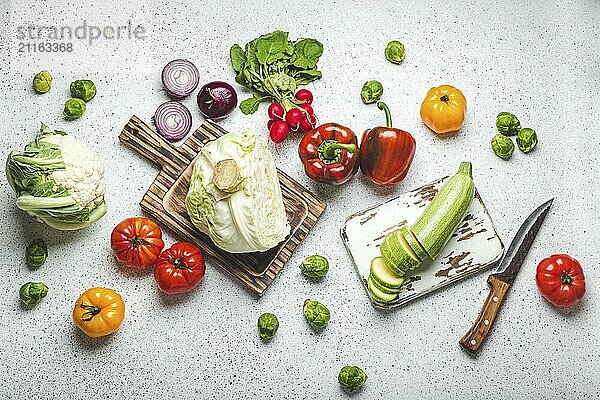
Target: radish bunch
(291, 115)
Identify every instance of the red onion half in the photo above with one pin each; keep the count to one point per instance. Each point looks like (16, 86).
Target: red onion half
(173, 120)
(217, 99)
(180, 78)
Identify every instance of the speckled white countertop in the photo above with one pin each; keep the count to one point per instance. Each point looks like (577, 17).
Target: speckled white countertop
(538, 59)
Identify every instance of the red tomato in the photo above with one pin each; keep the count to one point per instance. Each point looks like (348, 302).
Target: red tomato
(179, 269)
(560, 280)
(137, 242)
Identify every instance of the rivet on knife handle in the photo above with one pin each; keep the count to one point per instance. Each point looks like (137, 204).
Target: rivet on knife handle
(475, 337)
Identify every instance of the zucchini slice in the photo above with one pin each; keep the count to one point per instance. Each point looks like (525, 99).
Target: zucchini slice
(381, 274)
(391, 259)
(378, 294)
(397, 253)
(446, 211)
(414, 243)
(383, 288)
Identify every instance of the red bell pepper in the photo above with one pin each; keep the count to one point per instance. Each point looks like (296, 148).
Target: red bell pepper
(386, 153)
(329, 154)
(560, 280)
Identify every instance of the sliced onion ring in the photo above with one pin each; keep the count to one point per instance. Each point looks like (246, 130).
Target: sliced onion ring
(180, 78)
(173, 120)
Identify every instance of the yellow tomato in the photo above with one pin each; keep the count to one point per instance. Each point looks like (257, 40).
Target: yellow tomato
(99, 312)
(443, 109)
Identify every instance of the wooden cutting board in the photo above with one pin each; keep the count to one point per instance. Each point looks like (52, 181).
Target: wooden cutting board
(474, 247)
(165, 202)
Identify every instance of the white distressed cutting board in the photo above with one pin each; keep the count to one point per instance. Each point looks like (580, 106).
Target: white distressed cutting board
(475, 246)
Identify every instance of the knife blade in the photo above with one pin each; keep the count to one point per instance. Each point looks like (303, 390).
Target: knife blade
(502, 279)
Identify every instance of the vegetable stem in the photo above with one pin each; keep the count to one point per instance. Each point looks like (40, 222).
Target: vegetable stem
(388, 116)
(286, 103)
(136, 241)
(179, 263)
(90, 313)
(445, 98)
(330, 150)
(466, 168)
(566, 278)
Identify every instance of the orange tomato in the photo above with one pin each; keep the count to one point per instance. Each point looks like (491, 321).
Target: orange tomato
(443, 109)
(99, 312)
(137, 242)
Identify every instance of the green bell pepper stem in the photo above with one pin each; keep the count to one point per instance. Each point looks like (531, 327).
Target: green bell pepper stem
(327, 149)
(388, 116)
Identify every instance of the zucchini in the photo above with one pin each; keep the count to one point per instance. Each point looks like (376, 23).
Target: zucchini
(397, 253)
(378, 294)
(382, 275)
(381, 287)
(446, 211)
(414, 243)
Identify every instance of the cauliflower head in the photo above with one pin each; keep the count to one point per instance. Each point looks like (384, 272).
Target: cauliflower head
(58, 180)
(83, 176)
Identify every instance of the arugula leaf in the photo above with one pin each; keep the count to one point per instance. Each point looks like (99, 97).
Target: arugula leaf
(307, 76)
(270, 48)
(250, 105)
(238, 57)
(307, 53)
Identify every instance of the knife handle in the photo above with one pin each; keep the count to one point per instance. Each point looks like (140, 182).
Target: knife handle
(475, 337)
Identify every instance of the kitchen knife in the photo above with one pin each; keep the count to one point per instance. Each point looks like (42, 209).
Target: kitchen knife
(502, 279)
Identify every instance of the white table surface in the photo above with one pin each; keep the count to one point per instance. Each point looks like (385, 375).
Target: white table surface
(536, 59)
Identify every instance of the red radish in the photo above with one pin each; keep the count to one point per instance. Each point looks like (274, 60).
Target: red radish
(306, 126)
(276, 111)
(279, 131)
(308, 108)
(294, 118)
(305, 96)
(270, 124)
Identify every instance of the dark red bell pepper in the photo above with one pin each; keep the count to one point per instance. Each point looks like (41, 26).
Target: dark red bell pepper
(329, 154)
(386, 153)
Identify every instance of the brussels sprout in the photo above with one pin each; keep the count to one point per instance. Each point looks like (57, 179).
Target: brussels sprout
(527, 140)
(36, 253)
(316, 314)
(267, 325)
(394, 52)
(371, 92)
(508, 124)
(503, 146)
(74, 108)
(83, 89)
(42, 82)
(352, 378)
(315, 266)
(33, 293)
